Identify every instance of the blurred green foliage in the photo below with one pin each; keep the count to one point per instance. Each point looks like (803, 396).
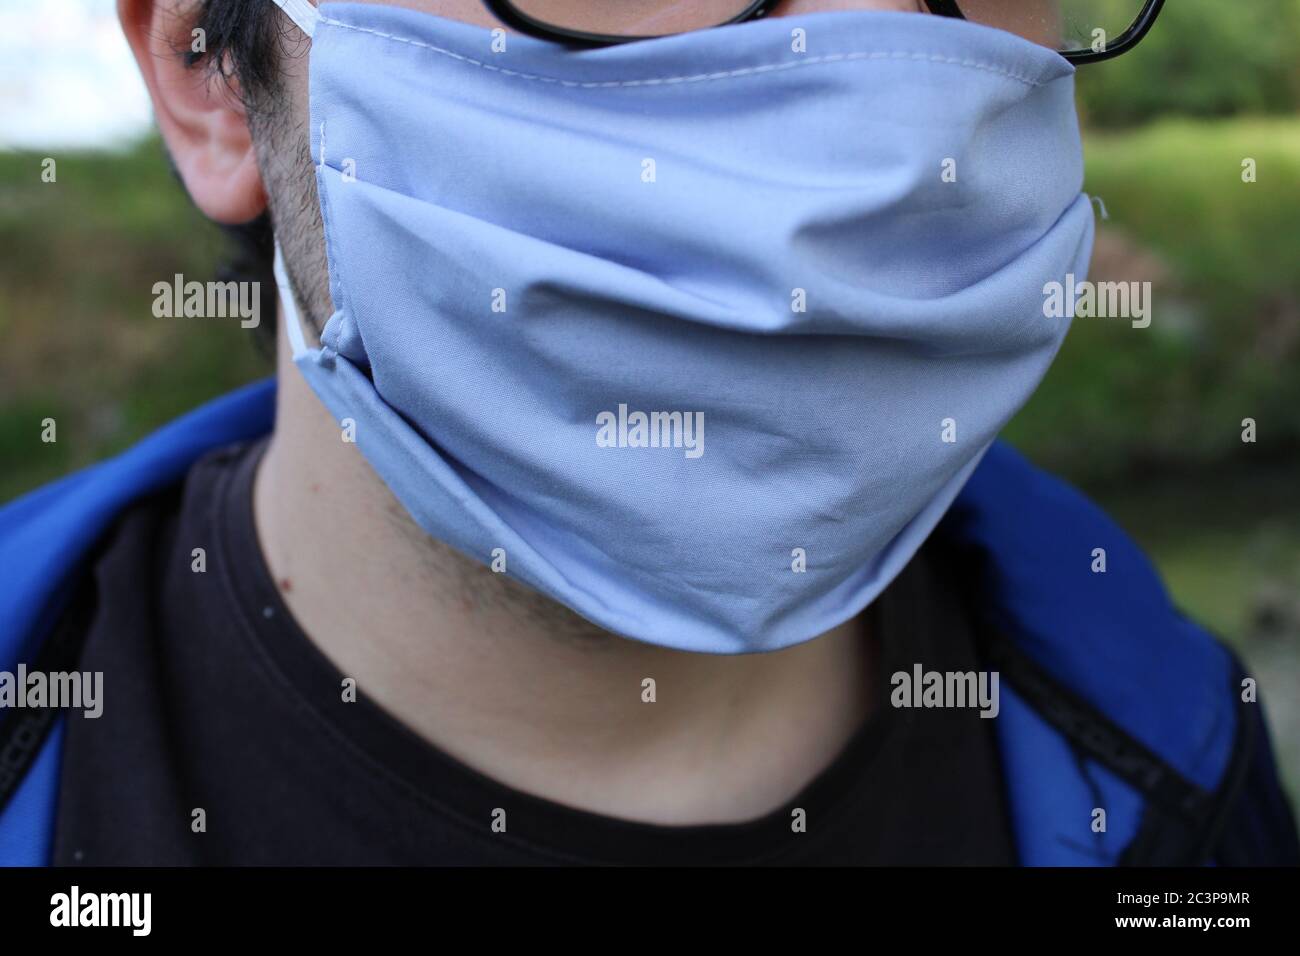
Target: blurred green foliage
(1224, 343)
(81, 343)
(1205, 58)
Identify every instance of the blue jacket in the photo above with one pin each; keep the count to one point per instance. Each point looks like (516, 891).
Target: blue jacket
(1110, 698)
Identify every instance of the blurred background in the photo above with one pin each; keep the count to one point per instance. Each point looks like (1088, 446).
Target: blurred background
(1147, 421)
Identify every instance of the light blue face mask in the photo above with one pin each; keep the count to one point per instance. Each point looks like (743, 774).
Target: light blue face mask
(701, 335)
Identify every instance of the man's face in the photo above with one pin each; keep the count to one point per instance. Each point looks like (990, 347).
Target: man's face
(236, 165)
(233, 175)
(283, 142)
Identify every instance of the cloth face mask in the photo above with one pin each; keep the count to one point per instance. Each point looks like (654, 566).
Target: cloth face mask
(700, 335)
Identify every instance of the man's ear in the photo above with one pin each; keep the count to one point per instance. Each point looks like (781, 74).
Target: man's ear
(201, 118)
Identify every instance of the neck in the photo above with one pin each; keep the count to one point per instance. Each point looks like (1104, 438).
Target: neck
(518, 687)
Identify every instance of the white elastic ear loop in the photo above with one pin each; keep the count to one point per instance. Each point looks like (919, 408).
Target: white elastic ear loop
(293, 325)
(302, 13)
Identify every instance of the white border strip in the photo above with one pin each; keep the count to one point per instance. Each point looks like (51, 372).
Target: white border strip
(292, 323)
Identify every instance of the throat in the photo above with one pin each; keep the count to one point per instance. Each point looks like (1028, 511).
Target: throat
(519, 687)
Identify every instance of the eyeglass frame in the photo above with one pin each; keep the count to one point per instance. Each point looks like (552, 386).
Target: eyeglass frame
(509, 14)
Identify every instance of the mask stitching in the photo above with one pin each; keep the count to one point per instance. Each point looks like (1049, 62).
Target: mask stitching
(701, 77)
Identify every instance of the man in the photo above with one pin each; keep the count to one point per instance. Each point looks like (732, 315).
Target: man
(486, 594)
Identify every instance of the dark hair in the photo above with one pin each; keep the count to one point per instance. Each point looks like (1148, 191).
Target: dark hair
(242, 42)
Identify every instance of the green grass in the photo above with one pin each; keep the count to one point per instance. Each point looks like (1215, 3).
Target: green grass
(1178, 186)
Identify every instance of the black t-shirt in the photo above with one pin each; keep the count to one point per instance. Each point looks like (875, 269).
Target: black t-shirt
(215, 700)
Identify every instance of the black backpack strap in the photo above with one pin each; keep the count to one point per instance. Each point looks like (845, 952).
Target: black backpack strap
(23, 731)
(1162, 840)
(1255, 824)
(1183, 823)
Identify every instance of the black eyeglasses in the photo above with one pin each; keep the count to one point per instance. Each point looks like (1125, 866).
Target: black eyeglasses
(1082, 31)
